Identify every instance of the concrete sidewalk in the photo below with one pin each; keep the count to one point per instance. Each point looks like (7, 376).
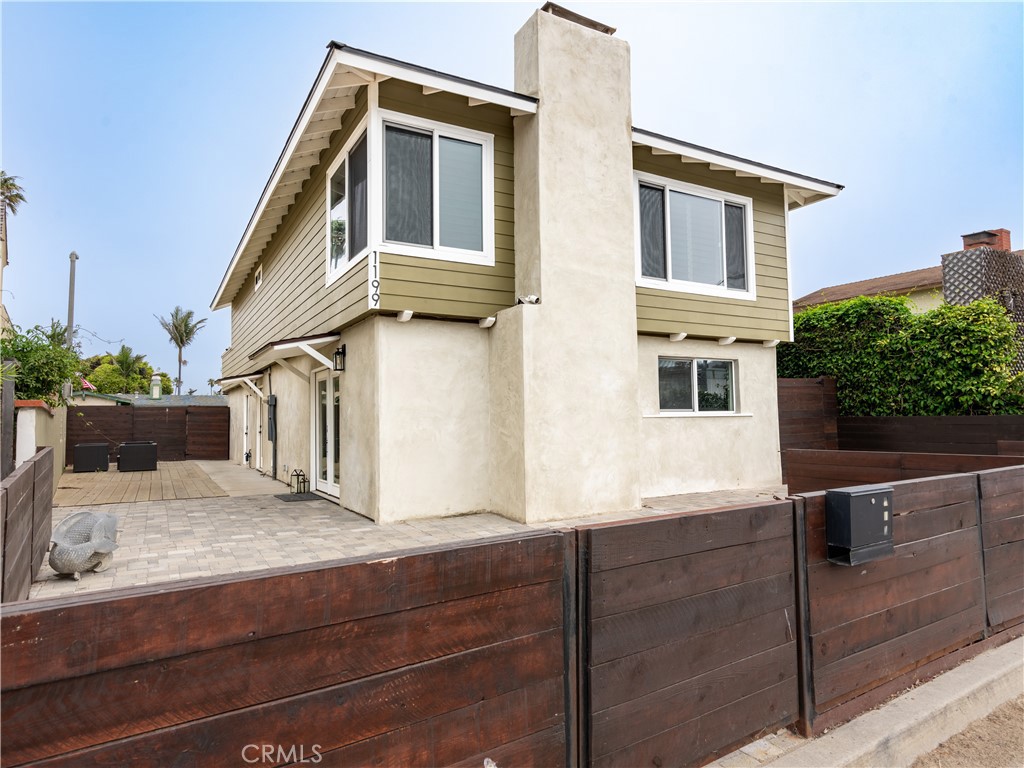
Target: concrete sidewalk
(897, 733)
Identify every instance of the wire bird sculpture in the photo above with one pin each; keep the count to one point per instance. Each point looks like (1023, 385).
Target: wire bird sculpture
(84, 541)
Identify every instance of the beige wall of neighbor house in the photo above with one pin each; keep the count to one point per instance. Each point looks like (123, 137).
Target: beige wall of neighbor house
(923, 301)
(40, 426)
(575, 428)
(692, 453)
(434, 419)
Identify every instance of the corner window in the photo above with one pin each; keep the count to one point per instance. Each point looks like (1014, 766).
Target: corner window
(701, 386)
(694, 239)
(438, 189)
(347, 206)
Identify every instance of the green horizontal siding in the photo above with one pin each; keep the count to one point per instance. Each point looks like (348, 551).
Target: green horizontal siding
(294, 299)
(446, 288)
(663, 312)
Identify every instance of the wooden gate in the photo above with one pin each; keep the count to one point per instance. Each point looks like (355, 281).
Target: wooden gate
(182, 432)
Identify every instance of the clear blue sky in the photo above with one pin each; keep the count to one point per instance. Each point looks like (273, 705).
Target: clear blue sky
(144, 133)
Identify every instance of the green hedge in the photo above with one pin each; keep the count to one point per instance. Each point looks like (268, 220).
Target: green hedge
(887, 361)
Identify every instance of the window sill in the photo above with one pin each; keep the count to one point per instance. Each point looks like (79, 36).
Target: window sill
(485, 259)
(335, 275)
(688, 415)
(696, 289)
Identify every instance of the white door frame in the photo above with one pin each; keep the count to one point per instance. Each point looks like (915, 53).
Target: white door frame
(245, 430)
(331, 485)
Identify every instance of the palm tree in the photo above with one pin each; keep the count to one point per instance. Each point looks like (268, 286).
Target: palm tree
(127, 364)
(212, 383)
(11, 196)
(182, 328)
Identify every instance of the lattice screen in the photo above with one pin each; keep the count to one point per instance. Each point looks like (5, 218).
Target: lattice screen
(979, 272)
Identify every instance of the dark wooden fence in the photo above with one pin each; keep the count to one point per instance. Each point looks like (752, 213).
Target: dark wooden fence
(930, 434)
(808, 419)
(26, 521)
(434, 658)
(807, 470)
(870, 627)
(807, 413)
(689, 626)
(182, 432)
(1002, 536)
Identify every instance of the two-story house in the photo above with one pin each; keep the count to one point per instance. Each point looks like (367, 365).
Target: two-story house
(453, 297)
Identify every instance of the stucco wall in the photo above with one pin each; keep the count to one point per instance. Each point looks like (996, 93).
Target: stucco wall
(922, 301)
(434, 419)
(691, 453)
(360, 403)
(574, 245)
(39, 427)
(293, 423)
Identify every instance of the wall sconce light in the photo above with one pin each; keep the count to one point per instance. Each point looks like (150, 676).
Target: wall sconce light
(339, 358)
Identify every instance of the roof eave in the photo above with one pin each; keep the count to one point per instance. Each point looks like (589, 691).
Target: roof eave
(811, 190)
(382, 68)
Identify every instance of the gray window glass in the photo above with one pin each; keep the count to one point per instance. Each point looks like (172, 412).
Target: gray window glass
(357, 198)
(652, 231)
(675, 385)
(460, 194)
(696, 225)
(735, 247)
(715, 385)
(408, 186)
(339, 217)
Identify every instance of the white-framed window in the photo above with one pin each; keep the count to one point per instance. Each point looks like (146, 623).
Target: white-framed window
(257, 279)
(348, 229)
(693, 239)
(696, 385)
(438, 189)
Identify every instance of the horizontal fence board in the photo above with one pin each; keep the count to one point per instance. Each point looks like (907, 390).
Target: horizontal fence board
(625, 633)
(1003, 531)
(541, 749)
(630, 677)
(863, 633)
(660, 710)
(807, 413)
(999, 583)
(57, 638)
(220, 680)
(929, 434)
(1006, 609)
(692, 742)
(349, 712)
(999, 482)
(663, 537)
(1005, 556)
(658, 581)
(841, 608)
(998, 507)
(887, 660)
(432, 657)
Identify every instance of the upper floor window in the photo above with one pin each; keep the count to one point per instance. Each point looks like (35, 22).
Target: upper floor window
(347, 205)
(414, 187)
(438, 187)
(694, 239)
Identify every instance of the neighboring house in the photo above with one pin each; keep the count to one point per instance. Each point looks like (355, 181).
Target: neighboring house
(985, 266)
(922, 286)
(453, 297)
(145, 401)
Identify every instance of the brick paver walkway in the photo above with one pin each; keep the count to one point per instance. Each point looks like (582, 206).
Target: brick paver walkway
(172, 539)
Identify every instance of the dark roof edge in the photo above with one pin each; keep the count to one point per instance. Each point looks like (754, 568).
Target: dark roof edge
(726, 155)
(428, 71)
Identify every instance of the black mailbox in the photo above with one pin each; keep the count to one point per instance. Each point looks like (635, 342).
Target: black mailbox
(858, 524)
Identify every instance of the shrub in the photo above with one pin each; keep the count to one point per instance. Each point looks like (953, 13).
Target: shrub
(887, 361)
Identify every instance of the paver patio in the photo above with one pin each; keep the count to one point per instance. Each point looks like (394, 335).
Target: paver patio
(183, 538)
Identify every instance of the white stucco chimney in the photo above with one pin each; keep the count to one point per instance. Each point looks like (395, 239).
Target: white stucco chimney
(567, 432)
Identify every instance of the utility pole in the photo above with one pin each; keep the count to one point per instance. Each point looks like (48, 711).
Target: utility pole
(71, 299)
